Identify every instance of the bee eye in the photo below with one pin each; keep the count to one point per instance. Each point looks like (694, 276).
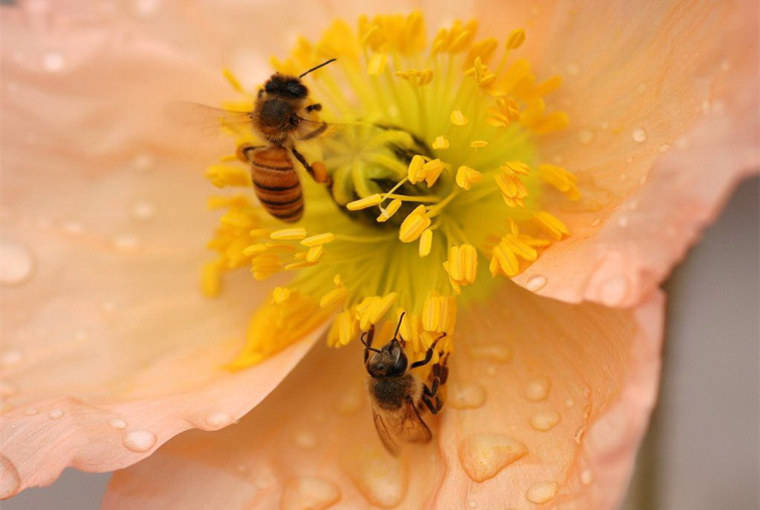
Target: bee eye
(294, 120)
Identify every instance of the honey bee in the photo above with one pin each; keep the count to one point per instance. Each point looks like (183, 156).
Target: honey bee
(278, 116)
(399, 398)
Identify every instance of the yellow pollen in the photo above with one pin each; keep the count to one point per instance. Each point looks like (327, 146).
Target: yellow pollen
(552, 224)
(457, 118)
(516, 39)
(318, 239)
(440, 142)
(478, 144)
(462, 264)
(426, 243)
(211, 278)
(414, 225)
(334, 297)
(372, 309)
(388, 212)
(233, 81)
(281, 294)
(515, 168)
(467, 176)
(432, 170)
(560, 179)
(288, 234)
(314, 253)
(344, 329)
(223, 176)
(439, 313)
(364, 203)
(415, 171)
(376, 64)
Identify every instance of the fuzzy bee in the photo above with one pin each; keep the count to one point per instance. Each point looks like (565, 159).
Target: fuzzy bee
(399, 397)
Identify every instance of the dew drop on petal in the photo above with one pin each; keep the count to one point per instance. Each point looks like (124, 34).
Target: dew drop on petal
(16, 263)
(218, 420)
(380, 479)
(483, 455)
(139, 440)
(73, 227)
(305, 439)
(146, 7)
(142, 211)
(126, 242)
(639, 135)
(309, 493)
(542, 492)
(117, 423)
(664, 147)
(536, 283)
(544, 420)
(585, 136)
(143, 162)
(538, 389)
(472, 503)
(10, 357)
(53, 62)
(595, 222)
(569, 403)
(9, 479)
(30, 411)
(586, 477)
(350, 402)
(622, 221)
(466, 396)
(614, 291)
(573, 69)
(54, 414)
(491, 352)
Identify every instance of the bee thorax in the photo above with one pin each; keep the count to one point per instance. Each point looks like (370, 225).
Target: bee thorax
(391, 392)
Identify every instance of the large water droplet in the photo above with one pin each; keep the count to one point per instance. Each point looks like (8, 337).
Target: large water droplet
(536, 283)
(219, 420)
(585, 136)
(466, 396)
(16, 263)
(9, 479)
(614, 290)
(544, 420)
(139, 440)
(126, 242)
(146, 7)
(143, 162)
(542, 492)
(587, 477)
(309, 493)
(483, 455)
(53, 62)
(639, 135)
(350, 401)
(380, 479)
(305, 439)
(491, 352)
(538, 389)
(117, 423)
(142, 211)
(54, 414)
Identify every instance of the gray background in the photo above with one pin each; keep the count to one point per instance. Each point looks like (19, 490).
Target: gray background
(701, 452)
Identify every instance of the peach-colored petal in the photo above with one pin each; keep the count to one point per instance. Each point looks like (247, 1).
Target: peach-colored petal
(663, 103)
(108, 348)
(546, 399)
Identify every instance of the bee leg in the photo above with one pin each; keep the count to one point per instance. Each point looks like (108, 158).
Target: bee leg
(314, 107)
(311, 134)
(366, 339)
(245, 152)
(320, 175)
(428, 353)
(439, 374)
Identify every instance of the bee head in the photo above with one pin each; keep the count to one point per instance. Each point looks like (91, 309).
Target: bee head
(288, 87)
(390, 361)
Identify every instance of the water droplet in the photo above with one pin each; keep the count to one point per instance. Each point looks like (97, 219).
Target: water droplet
(491, 370)
(7, 389)
(143, 162)
(55, 414)
(30, 411)
(664, 147)
(218, 420)
(305, 439)
(639, 135)
(53, 62)
(536, 283)
(350, 402)
(614, 290)
(587, 477)
(466, 396)
(16, 263)
(641, 88)
(117, 423)
(142, 211)
(569, 403)
(483, 455)
(9, 479)
(706, 107)
(573, 69)
(544, 420)
(472, 503)
(542, 492)
(622, 221)
(309, 493)
(492, 352)
(108, 306)
(146, 7)
(139, 440)
(604, 125)
(585, 136)
(682, 143)
(380, 479)
(596, 221)
(538, 389)
(725, 65)
(10, 357)
(126, 242)
(73, 227)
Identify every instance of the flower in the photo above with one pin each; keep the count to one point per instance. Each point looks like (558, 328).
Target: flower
(100, 279)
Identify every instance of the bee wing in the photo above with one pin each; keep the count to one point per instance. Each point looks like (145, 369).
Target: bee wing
(413, 427)
(385, 435)
(206, 119)
(405, 424)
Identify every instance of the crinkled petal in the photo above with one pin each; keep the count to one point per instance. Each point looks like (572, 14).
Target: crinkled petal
(663, 104)
(541, 393)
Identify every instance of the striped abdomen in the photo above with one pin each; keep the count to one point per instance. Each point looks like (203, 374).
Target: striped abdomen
(276, 183)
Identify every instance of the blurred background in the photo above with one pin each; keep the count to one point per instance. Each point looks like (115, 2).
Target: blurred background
(702, 450)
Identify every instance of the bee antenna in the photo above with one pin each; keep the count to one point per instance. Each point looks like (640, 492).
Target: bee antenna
(398, 326)
(317, 67)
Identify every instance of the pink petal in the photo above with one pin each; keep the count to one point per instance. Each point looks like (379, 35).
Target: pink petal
(663, 105)
(108, 347)
(313, 442)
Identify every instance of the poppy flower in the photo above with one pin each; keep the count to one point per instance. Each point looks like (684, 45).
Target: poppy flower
(514, 186)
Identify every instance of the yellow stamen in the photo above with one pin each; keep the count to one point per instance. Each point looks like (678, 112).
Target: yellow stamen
(376, 64)
(388, 212)
(288, 234)
(318, 239)
(414, 225)
(561, 179)
(364, 203)
(440, 143)
(281, 294)
(467, 176)
(478, 144)
(552, 224)
(415, 171)
(462, 264)
(457, 118)
(439, 313)
(223, 176)
(516, 39)
(314, 253)
(426, 243)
